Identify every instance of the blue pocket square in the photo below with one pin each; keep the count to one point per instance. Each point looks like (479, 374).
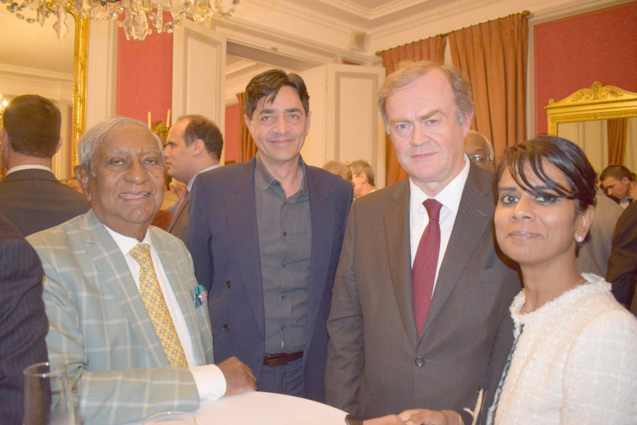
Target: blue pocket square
(201, 296)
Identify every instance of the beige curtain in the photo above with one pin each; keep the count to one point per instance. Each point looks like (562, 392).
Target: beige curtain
(431, 49)
(617, 134)
(247, 148)
(493, 56)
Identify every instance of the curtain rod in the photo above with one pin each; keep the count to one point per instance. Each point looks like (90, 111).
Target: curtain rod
(380, 52)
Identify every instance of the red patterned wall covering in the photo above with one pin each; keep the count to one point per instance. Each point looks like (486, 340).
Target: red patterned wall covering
(572, 53)
(144, 76)
(231, 138)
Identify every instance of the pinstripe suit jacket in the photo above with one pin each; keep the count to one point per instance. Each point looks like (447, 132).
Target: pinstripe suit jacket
(22, 318)
(100, 327)
(34, 200)
(376, 363)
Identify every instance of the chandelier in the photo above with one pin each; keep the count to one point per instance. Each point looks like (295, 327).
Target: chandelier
(138, 17)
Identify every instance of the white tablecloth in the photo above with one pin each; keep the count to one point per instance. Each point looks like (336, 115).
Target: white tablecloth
(259, 408)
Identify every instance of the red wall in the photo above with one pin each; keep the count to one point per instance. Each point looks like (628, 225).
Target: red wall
(231, 138)
(573, 53)
(144, 76)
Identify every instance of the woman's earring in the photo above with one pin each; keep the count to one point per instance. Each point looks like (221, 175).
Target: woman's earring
(580, 239)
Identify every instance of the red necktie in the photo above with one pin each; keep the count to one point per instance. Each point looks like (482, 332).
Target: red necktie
(424, 271)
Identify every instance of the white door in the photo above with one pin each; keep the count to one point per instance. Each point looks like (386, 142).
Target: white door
(199, 73)
(346, 124)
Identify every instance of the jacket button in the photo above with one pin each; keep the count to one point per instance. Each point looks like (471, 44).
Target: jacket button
(228, 284)
(226, 328)
(419, 361)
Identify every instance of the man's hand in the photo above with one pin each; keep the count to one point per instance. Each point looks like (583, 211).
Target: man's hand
(419, 417)
(385, 420)
(239, 377)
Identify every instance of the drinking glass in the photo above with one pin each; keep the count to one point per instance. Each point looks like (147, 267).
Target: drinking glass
(171, 418)
(47, 399)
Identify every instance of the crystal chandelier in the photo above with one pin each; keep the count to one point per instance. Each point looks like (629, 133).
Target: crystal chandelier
(138, 17)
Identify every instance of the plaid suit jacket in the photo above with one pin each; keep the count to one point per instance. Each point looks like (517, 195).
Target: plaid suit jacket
(100, 328)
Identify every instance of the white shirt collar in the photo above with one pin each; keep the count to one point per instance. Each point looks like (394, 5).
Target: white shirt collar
(192, 180)
(449, 196)
(125, 243)
(28, 167)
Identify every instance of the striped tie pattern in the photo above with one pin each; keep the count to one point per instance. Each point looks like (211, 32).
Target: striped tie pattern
(156, 305)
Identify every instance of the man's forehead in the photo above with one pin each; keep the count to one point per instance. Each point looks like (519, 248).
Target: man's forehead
(128, 139)
(609, 181)
(265, 102)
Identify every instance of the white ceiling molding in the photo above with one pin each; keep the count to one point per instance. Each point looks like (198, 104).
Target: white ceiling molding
(308, 11)
(372, 10)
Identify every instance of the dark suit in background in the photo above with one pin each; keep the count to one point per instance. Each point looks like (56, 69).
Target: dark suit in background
(622, 265)
(377, 365)
(593, 256)
(24, 322)
(34, 200)
(179, 223)
(223, 241)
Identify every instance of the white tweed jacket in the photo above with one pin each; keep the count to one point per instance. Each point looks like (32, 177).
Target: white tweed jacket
(575, 362)
(100, 328)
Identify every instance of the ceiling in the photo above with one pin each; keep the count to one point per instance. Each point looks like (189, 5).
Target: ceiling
(32, 46)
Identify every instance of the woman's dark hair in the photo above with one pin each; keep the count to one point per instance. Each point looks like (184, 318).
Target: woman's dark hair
(565, 155)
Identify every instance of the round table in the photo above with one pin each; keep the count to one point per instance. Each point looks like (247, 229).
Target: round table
(260, 408)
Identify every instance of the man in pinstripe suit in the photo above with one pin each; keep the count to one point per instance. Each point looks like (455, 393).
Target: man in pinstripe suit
(24, 322)
(100, 326)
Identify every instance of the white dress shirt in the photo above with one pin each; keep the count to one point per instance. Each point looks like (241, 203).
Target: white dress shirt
(192, 180)
(209, 379)
(450, 198)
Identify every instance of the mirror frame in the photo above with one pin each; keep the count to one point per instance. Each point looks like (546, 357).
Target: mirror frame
(80, 63)
(597, 103)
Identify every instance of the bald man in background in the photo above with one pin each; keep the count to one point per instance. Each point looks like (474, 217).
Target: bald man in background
(479, 150)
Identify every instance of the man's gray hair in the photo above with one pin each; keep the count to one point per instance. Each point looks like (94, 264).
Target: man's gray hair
(409, 71)
(94, 136)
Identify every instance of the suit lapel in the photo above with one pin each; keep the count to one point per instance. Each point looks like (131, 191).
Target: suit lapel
(113, 268)
(322, 213)
(396, 219)
(475, 214)
(183, 207)
(242, 226)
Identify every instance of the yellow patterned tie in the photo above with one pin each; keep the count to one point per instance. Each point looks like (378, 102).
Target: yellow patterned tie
(156, 305)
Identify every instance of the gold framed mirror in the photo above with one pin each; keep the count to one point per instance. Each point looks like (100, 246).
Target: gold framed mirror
(34, 61)
(584, 117)
(80, 64)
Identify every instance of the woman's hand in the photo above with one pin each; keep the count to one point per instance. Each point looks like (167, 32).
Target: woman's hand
(419, 417)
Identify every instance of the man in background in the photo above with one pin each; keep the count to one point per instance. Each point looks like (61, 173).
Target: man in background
(622, 264)
(592, 256)
(265, 237)
(126, 314)
(30, 195)
(416, 306)
(340, 169)
(479, 150)
(24, 322)
(362, 178)
(619, 184)
(193, 146)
